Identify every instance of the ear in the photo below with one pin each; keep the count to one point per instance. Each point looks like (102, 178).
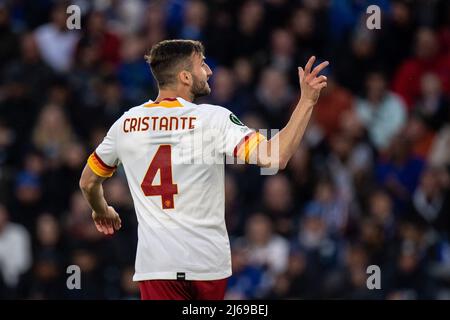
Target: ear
(185, 78)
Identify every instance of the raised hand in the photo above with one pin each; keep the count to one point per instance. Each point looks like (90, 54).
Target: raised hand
(310, 82)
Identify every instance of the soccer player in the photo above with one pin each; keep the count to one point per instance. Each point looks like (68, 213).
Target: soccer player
(183, 247)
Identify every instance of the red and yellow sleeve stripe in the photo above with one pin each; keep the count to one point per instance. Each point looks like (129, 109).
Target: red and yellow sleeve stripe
(99, 167)
(166, 103)
(245, 148)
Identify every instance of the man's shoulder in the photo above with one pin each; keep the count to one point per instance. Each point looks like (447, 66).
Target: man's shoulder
(213, 109)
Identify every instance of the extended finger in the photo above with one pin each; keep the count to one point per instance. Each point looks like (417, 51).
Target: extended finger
(309, 64)
(319, 68)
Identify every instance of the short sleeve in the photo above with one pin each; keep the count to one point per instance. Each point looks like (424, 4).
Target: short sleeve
(104, 160)
(238, 140)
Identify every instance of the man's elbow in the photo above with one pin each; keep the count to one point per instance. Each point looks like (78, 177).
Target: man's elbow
(86, 184)
(280, 163)
(89, 180)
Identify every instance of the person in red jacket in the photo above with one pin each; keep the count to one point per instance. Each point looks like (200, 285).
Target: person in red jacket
(428, 58)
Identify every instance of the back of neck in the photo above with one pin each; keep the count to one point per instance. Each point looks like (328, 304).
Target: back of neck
(167, 94)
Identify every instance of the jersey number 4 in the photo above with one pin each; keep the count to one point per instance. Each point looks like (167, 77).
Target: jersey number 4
(162, 161)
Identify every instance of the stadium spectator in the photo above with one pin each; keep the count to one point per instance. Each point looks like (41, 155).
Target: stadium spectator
(248, 279)
(278, 203)
(15, 252)
(399, 171)
(56, 44)
(428, 58)
(381, 111)
(430, 203)
(333, 102)
(266, 249)
(433, 105)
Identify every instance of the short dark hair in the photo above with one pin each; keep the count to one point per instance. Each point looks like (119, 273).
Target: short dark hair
(167, 57)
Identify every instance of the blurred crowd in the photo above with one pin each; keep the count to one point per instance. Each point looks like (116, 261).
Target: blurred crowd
(369, 184)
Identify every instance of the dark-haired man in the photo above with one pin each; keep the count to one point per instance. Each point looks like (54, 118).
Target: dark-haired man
(172, 151)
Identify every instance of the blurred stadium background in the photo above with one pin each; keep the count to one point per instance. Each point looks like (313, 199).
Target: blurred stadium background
(369, 185)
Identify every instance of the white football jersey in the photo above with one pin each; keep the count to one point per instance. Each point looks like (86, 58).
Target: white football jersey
(173, 156)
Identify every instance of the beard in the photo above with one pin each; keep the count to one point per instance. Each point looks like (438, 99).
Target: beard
(200, 88)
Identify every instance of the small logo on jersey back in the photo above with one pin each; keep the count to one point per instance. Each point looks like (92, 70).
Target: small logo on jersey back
(181, 276)
(235, 120)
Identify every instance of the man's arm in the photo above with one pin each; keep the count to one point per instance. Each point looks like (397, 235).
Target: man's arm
(288, 139)
(106, 219)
